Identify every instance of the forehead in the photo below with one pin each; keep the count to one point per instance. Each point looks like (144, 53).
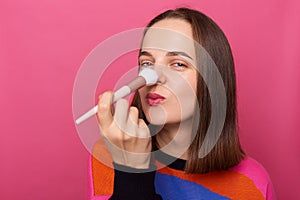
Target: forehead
(178, 25)
(167, 35)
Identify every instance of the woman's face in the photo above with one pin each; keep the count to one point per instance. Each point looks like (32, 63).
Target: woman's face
(172, 99)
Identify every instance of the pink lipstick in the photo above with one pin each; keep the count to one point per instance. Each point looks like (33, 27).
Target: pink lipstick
(154, 99)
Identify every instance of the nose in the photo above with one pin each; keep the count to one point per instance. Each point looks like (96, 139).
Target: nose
(161, 75)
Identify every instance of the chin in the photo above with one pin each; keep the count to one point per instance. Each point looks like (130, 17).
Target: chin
(156, 115)
(156, 120)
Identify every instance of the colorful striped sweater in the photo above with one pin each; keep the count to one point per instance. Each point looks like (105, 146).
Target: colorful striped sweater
(246, 181)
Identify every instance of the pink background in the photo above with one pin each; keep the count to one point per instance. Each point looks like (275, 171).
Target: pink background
(43, 43)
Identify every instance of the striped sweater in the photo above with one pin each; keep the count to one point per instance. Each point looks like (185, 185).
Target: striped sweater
(246, 181)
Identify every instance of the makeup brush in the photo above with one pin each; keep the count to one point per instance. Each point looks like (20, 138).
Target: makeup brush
(146, 77)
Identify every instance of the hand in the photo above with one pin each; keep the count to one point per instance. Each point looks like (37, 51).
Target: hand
(126, 136)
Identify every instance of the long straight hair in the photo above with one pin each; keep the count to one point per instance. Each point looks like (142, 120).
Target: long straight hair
(227, 152)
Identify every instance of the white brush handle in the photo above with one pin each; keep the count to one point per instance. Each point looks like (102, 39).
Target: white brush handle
(87, 115)
(122, 92)
(146, 77)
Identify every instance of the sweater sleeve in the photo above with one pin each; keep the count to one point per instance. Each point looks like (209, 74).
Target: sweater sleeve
(134, 184)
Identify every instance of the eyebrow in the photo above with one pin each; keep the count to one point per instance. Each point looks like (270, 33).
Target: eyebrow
(179, 53)
(171, 53)
(145, 53)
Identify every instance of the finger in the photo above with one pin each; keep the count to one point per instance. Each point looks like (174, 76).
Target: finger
(143, 131)
(105, 117)
(142, 124)
(133, 116)
(121, 113)
(132, 122)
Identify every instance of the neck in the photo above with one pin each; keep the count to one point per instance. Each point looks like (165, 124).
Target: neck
(175, 139)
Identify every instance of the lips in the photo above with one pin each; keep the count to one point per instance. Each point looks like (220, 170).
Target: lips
(154, 99)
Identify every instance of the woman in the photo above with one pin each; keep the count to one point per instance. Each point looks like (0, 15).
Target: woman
(180, 109)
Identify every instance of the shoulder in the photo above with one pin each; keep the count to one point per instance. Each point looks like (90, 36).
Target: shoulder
(257, 173)
(252, 168)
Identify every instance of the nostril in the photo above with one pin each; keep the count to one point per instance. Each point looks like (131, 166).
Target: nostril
(159, 69)
(161, 79)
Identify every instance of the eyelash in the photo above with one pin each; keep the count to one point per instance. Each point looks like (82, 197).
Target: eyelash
(149, 63)
(179, 65)
(146, 64)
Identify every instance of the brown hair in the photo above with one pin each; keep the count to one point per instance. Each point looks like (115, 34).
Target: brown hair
(227, 152)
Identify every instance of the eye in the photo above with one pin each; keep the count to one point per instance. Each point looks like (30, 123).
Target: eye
(179, 65)
(146, 63)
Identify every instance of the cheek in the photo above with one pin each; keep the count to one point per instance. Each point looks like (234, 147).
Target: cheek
(142, 93)
(185, 97)
(184, 105)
